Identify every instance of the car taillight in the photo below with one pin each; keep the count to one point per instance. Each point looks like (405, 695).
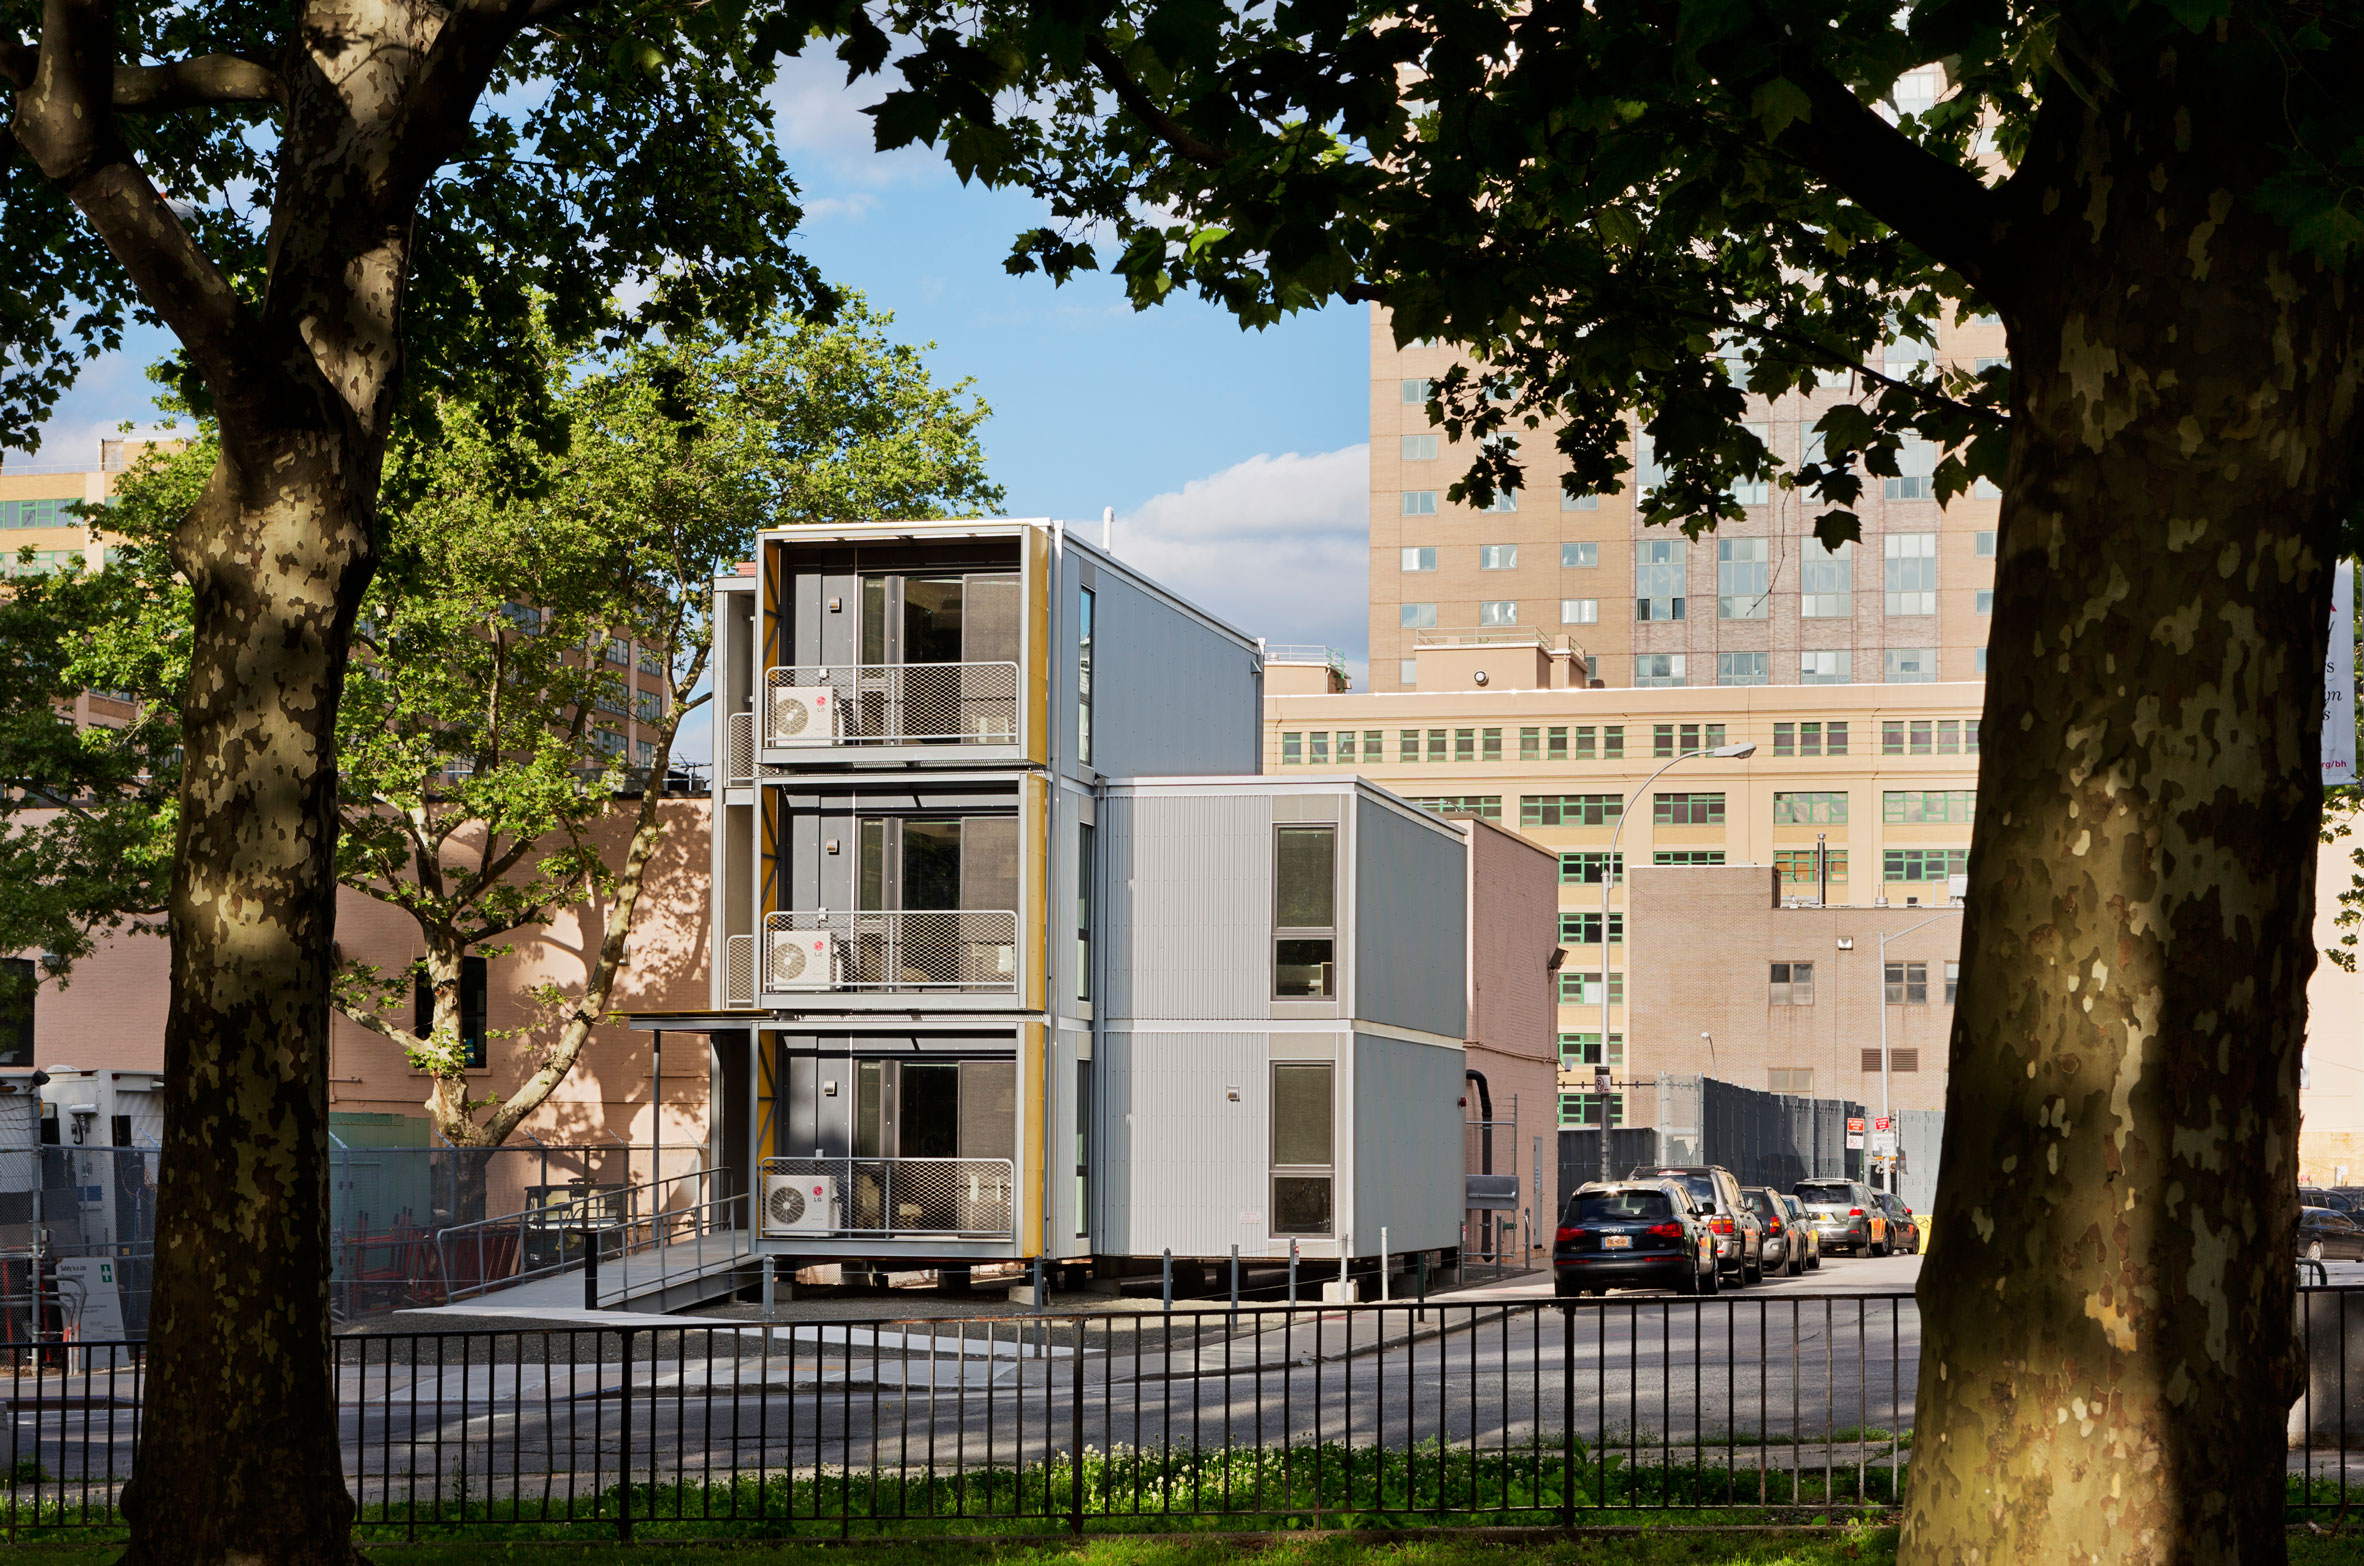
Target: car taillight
(1773, 1226)
(1854, 1212)
(1566, 1236)
(1721, 1223)
(1667, 1231)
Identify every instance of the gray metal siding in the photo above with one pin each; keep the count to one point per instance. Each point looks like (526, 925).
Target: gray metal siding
(1170, 697)
(1189, 900)
(1184, 1164)
(1409, 961)
(1407, 1134)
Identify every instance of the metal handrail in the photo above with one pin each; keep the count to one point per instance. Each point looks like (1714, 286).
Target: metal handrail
(501, 1240)
(891, 703)
(983, 1190)
(971, 950)
(664, 1234)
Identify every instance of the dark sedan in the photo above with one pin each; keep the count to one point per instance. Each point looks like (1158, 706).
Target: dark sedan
(2325, 1235)
(1632, 1234)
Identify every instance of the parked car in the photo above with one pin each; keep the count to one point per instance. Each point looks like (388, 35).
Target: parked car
(2316, 1196)
(1740, 1236)
(1627, 1234)
(1845, 1216)
(2327, 1235)
(1904, 1230)
(1785, 1238)
(1810, 1238)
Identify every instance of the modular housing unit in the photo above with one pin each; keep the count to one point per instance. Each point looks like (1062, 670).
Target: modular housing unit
(1280, 1040)
(914, 724)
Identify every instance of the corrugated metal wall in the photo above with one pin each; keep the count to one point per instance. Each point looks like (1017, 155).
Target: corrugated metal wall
(1169, 696)
(1406, 1126)
(1184, 1164)
(1189, 883)
(1409, 961)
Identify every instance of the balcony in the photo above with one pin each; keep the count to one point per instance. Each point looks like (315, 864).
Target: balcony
(808, 706)
(888, 1198)
(936, 951)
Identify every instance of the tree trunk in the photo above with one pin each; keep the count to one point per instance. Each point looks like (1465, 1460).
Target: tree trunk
(238, 1453)
(2106, 1308)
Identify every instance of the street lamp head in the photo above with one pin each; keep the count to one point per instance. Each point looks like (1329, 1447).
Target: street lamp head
(1739, 752)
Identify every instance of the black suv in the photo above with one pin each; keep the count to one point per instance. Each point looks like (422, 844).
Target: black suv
(1740, 1234)
(1632, 1234)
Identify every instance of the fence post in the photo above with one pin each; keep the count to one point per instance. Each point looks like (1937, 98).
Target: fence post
(624, 1456)
(1423, 1286)
(770, 1275)
(1234, 1288)
(590, 1267)
(1386, 1269)
(1292, 1272)
(1567, 1416)
(1169, 1275)
(1075, 1518)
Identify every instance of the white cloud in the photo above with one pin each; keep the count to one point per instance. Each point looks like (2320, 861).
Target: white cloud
(824, 132)
(1278, 546)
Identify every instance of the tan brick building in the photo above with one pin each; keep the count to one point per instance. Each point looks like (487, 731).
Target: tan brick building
(1874, 785)
(1757, 602)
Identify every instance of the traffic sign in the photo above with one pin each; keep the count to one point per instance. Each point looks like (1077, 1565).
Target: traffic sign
(1883, 1123)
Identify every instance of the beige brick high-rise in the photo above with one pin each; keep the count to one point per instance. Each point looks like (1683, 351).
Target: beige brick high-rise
(1936, 632)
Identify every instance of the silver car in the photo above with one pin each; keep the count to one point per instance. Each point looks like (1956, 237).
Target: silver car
(1846, 1215)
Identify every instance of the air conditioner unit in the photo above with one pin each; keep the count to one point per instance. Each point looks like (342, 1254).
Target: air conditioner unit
(802, 715)
(799, 1204)
(802, 960)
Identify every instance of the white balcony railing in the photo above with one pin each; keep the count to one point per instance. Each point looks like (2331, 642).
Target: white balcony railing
(891, 704)
(738, 972)
(888, 1198)
(973, 950)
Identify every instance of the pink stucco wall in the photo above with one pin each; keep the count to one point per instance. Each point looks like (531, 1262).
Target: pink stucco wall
(110, 1014)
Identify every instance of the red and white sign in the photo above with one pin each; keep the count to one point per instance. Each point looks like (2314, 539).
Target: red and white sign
(1882, 1123)
(1854, 1126)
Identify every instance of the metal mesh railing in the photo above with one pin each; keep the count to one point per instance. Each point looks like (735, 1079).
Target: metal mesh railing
(968, 949)
(738, 971)
(738, 748)
(967, 1198)
(891, 703)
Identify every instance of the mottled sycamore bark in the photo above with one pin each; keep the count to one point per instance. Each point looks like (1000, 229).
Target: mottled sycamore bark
(2107, 1302)
(238, 1455)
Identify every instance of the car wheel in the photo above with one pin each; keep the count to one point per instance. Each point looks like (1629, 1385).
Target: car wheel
(1797, 1262)
(2315, 1251)
(1879, 1248)
(1565, 1289)
(1752, 1272)
(1711, 1282)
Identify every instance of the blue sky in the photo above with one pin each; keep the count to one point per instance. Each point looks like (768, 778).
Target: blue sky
(1234, 459)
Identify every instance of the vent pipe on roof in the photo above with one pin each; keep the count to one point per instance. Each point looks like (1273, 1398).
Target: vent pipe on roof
(1108, 528)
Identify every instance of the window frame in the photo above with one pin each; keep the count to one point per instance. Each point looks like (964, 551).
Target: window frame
(1304, 933)
(1277, 1171)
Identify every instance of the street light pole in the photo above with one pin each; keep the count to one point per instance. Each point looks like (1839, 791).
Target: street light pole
(1600, 1076)
(1887, 1172)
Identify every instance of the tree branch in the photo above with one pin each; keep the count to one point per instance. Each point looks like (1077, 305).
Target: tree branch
(65, 121)
(189, 84)
(433, 120)
(1941, 207)
(1135, 97)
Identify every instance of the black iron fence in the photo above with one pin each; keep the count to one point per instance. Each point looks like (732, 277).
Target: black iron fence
(1532, 1412)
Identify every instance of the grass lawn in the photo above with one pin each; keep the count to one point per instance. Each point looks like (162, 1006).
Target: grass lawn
(1823, 1547)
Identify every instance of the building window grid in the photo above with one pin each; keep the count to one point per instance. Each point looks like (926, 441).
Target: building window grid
(1582, 987)
(1929, 804)
(1584, 868)
(1804, 866)
(1909, 865)
(1687, 809)
(1658, 579)
(1571, 810)
(1792, 984)
(1584, 929)
(1810, 808)
(1486, 807)
(1677, 739)
(1809, 739)
(1687, 858)
(1907, 985)
(1910, 561)
(1744, 573)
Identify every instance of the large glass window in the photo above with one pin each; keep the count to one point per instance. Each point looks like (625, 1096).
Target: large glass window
(1579, 557)
(1498, 557)
(1085, 850)
(1743, 668)
(1302, 1147)
(1501, 611)
(1305, 895)
(1658, 579)
(1912, 665)
(1687, 809)
(1911, 561)
(1826, 581)
(1083, 680)
(1744, 570)
(1658, 670)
